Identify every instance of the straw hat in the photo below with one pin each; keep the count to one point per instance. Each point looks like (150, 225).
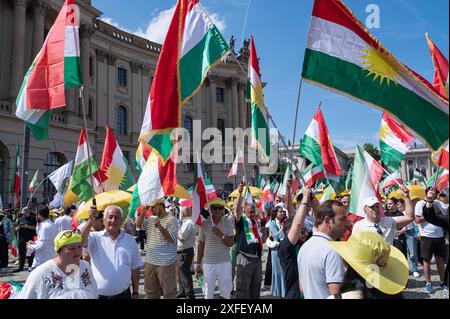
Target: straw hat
(217, 201)
(383, 266)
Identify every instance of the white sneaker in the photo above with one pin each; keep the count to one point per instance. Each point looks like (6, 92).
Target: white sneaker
(416, 274)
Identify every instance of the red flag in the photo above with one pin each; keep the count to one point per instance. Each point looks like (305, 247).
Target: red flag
(441, 68)
(329, 159)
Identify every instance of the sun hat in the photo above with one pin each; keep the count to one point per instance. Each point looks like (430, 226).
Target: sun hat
(156, 202)
(65, 238)
(382, 266)
(217, 201)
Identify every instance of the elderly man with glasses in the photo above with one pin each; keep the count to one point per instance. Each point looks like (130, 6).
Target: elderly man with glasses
(383, 225)
(216, 237)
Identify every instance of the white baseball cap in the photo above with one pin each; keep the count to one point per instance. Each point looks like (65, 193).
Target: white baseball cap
(370, 201)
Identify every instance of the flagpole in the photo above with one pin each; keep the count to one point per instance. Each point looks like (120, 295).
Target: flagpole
(34, 191)
(296, 112)
(383, 169)
(88, 145)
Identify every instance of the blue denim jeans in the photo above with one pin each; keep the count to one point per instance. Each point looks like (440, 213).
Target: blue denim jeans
(411, 244)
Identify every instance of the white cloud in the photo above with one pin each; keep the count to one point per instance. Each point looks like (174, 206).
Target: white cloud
(115, 24)
(157, 28)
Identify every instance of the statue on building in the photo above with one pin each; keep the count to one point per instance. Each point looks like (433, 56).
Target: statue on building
(232, 43)
(245, 51)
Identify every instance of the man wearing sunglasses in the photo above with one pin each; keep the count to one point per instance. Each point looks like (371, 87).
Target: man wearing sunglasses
(216, 237)
(383, 225)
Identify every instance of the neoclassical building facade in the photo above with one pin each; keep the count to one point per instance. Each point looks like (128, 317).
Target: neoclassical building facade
(118, 68)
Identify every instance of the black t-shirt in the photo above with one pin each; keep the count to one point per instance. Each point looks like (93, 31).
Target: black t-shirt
(288, 260)
(26, 234)
(241, 241)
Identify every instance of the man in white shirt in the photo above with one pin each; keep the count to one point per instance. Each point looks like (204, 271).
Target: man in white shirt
(185, 250)
(384, 226)
(431, 238)
(44, 246)
(320, 268)
(115, 258)
(64, 222)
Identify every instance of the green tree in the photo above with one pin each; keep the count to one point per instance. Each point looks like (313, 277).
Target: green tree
(372, 150)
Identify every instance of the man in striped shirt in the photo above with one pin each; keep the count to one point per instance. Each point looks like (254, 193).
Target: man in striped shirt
(161, 251)
(215, 240)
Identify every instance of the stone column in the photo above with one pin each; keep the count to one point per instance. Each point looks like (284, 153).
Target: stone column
(18, 46)
(86, 32)
(207, 104)
(40, 9)
(213, 106)
(242, 106)
(235, 102)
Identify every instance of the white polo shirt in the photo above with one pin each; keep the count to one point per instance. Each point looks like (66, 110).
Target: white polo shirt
(113, 261)
(427, 229)
(388, 226)
(319, 265)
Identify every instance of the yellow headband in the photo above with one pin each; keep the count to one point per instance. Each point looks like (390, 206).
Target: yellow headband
(66, 238)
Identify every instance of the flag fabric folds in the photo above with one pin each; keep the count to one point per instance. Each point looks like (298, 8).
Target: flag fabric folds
(238, 160)
(193, 45)
(344, 57)
(34, 182)
(367, 174)
(199, 194)
(54, 69)
(61, 179)
(440, 63)
(15, 187)
(260, 125)
(395, 142)
(392, 180)
(114, 172)
(312, 174)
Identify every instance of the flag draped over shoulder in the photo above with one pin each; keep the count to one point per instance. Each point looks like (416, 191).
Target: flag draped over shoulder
(395, 142)
(81, 183)
(344, 57)
(440, 63)
(193, 46)
(114, 172)
(54, 69)
(367, 174)
(260, 126)
(156, 181)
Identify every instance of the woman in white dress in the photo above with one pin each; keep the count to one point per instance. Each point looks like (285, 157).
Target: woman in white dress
(64, 277)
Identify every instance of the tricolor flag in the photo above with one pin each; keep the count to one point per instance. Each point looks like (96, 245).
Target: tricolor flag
(34, 182)
(418, 178)
(367, 174)
(392, 180)
(312, 174)
(348, 180)
(15, 187)
(142, 154)
(54, 69)
(327, 194)
(317, 147)
(440, 63)
(261, 182)
(210, 193)
(274, 186)
(440, 157)
(395, 142)
(238, 160)
(439, 180)
(199, 197)
(260, 125)
(265, 198)
(81, 182)
(192, 47)
(344, 57)
(114, 172)
(157, 180)
(287, 175)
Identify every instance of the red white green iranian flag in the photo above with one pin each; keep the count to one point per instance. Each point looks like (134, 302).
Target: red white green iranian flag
(312, 174)
(439, 180)
(34, 182)
(392, 180)
(55, 68)
(440, 157)
(81, 182)
(199, 194)
(344, 57)
(395, 142)
(260, 126)
(238, 160)
(367, 174)
(440, 63)
(317, 147)
(192, 47)
(156, 181)
(114, 172)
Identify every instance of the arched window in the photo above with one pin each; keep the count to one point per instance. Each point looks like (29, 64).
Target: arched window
(121, 120)
(52, 162)
(221, 127)
(187, 125)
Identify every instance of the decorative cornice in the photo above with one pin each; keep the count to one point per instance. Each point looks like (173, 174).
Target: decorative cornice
(135, 67)
(40, 7)
(21, 3)
(86, 31)
(101, 55)
(111, 59)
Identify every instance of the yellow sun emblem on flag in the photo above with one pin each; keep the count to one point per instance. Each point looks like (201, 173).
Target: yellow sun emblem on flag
(381, 65)
(115, 175)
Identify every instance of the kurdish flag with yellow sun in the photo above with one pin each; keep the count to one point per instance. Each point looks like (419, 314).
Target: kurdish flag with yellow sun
(114, 172)
(344, 57)
(260, 126)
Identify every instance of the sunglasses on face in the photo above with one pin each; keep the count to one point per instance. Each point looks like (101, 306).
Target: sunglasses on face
(68, 233)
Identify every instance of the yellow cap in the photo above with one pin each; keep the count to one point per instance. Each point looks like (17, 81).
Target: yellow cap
(383, 266)
(217, 201)
(66, 237)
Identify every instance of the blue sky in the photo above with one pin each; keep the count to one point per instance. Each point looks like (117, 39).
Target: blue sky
(280, 29)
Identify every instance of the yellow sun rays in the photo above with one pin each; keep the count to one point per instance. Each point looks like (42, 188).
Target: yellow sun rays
(380, 65)
(115, 175)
